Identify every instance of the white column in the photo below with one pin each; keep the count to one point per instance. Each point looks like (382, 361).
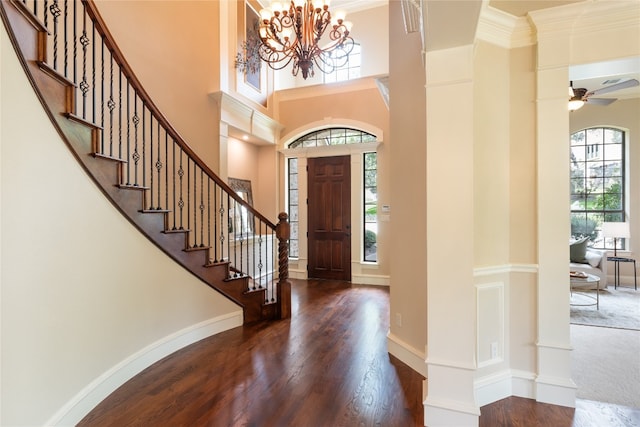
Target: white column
(553, 383)
(451, 314)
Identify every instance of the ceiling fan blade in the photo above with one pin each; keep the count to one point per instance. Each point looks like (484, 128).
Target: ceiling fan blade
(613, 88)
(600, 101)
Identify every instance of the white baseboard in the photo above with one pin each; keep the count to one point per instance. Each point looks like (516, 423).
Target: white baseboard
(94, 393)
(370, 279)
(493, 387)
(443, 413)
(503, 384)
(557, 391)
(407, 354)
(298, 274)
(523, 384)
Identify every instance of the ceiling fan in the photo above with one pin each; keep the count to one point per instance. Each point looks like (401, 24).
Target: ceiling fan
(579, 96)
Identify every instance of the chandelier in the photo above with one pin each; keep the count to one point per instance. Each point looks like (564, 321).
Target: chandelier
(293, 33)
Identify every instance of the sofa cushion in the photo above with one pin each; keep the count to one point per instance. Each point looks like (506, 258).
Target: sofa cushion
(593, 258)
(578, 250)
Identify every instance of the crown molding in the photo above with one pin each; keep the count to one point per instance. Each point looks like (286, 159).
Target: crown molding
(250, 120)
(503, 29)
(585, 18)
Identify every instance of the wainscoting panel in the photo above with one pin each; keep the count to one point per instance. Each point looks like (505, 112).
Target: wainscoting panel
(490, 324)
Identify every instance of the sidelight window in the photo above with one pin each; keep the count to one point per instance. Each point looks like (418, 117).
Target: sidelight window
(370, 214)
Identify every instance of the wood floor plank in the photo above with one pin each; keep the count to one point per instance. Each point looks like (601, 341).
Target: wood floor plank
(327, 366)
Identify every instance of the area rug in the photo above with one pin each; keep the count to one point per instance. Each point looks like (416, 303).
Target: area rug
(619, 308)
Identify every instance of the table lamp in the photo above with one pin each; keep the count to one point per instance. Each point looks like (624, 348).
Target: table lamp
(617, 230)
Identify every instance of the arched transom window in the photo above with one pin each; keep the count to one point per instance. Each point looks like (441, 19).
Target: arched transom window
(333, 136)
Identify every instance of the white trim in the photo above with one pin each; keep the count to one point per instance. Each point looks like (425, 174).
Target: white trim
(407, 354)
(330, 150)
(523, 384)
(505, 268)
(555, 390)
(503, 384)
(449, 364)
(370, 279)
(492, 388)
(82, 403)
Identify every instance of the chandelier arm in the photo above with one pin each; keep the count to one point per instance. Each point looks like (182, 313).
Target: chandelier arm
(294, 34)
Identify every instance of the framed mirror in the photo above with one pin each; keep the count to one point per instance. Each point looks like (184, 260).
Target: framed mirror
(239, 221)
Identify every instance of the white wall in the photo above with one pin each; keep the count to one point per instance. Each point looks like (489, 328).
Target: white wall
(87, 301)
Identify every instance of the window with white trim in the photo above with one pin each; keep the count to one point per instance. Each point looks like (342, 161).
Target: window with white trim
(598, 178)
(349, 70)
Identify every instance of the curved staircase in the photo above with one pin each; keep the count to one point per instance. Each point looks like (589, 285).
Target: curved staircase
(141, 163)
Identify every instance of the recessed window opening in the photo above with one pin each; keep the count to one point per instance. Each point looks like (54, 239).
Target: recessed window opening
(598, 179)
(349, 70)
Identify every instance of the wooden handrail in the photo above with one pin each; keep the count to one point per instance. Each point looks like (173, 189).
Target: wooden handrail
(109, 41)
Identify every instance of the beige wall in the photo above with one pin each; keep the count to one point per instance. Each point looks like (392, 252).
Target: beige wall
(407, 170)
(491, 152)
(257, 163)
(172, 53)
(87, 301)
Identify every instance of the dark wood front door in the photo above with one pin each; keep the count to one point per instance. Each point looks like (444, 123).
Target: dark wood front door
(329, 191)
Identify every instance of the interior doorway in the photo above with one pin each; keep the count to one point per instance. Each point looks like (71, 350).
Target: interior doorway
(329, 218)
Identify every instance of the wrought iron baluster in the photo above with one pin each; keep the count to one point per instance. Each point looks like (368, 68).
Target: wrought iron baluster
(84, 85)
(181, 200)
(202, 207)
(193, 206)
(128, 135)
(66, 40)
(111, 104)
(55, 12)
(93, 72)
(150, 161)
(101, 96)
(209, 212)
(119, 112)
(221, 257)
(273, 270)
(159, 169)
(144, 146)
(75, 55)
(173, 175)
(136, 155)
(46, 14)
(189, 198)
(166, 170)
(229, 225)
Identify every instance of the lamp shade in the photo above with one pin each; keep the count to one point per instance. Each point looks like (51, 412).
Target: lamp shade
(616, 229)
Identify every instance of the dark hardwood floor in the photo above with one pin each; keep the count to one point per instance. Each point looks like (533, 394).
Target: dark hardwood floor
(327, 367)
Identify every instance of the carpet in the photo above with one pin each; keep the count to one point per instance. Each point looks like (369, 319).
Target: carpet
(606, 364)
(619, 308)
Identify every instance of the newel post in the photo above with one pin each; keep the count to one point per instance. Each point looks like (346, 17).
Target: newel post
(283, 232)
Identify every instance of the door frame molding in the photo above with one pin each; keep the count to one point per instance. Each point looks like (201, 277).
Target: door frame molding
(298, 267)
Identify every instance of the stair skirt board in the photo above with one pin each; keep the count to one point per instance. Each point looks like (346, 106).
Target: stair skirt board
(95, 392)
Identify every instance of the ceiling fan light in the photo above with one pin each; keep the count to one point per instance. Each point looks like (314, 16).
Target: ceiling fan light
(575, 104)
